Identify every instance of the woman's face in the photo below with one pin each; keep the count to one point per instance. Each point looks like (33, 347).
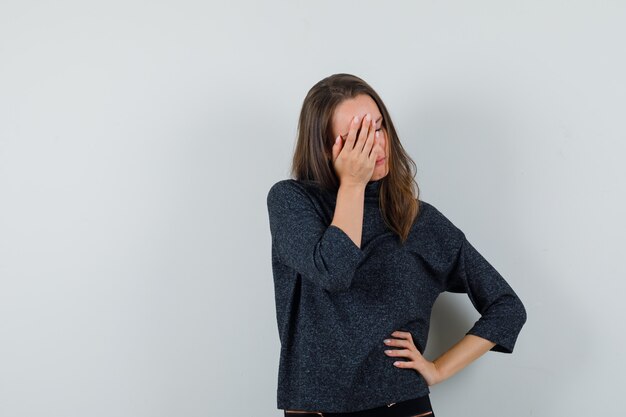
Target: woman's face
(360, 106)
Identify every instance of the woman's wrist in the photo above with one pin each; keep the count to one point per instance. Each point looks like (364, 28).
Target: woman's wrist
(439, 372)
(464, 352)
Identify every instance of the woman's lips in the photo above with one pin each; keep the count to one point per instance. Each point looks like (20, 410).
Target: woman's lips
(380, 161)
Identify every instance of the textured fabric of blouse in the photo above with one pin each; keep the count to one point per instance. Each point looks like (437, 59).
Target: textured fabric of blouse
(336, 302)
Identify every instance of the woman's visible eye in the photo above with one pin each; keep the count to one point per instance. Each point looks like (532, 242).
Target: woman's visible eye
(378, 130)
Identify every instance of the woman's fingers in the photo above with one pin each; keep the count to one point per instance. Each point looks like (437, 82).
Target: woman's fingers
(359, 134)
(337, 146)
(352, 158)
(402, 336)
(406, 341)
(410, 353)
(407, 353)
(365, 129)
(369, 143)
(400, 343)
(431, 373)
(354, 127)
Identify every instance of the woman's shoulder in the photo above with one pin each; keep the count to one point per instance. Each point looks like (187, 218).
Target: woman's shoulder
(434, 238)
(427, 213)
(281, 185)
(430, 215)
(291, 185)
(432, 225)
(291, 189)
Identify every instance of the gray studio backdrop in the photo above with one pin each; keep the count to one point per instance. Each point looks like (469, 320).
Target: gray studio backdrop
(138, 140)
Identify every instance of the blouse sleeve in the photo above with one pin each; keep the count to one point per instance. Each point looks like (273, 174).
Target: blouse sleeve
(502, 312)
(323, 254)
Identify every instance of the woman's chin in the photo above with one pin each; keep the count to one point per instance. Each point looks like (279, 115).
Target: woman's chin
(379, 173)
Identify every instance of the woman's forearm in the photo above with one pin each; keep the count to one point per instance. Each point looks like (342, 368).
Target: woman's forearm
(464, 352)
(349, 209)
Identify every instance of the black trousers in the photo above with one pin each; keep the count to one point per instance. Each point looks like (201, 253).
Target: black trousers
(410, 408)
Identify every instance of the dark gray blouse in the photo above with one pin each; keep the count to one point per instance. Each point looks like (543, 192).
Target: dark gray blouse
(336, 302)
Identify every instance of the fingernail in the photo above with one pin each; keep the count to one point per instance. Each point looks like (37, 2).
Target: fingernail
(337, 139)
(387, 340)
(356, 119)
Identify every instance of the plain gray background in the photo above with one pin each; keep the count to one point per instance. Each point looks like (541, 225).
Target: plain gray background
(138, 140)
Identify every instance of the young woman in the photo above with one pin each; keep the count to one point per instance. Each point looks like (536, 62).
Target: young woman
(358, 262)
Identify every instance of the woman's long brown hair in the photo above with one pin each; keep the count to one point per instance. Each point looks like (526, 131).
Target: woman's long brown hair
(399, 192)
